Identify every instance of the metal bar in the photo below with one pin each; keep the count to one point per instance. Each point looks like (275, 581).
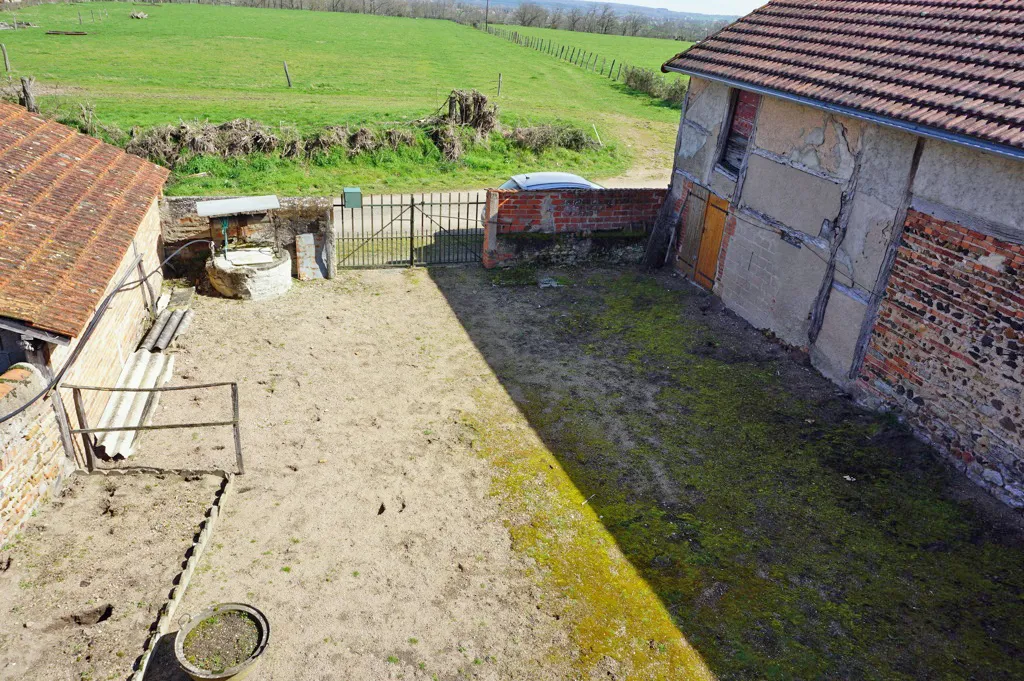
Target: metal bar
(90, 461)
(163, 426)
(149, 287)
(146, 390)
(443, 229)
(412, 230)
(237, 433)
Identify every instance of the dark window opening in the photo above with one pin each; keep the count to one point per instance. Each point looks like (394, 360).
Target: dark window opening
(741, 129)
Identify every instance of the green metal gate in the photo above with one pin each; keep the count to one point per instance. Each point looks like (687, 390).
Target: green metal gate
(403, 230)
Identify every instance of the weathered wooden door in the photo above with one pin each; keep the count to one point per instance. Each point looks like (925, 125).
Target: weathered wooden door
(693, 228)
(711, 241)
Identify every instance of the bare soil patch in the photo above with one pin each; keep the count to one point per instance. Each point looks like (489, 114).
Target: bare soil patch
(89, 574)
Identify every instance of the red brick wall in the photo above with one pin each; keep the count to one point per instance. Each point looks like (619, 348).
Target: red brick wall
(32, 461)
(580, 213)
(948, 348)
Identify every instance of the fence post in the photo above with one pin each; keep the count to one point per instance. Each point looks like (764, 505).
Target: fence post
(83, 423)
(611, 68)
(237, 433)
(412, 230)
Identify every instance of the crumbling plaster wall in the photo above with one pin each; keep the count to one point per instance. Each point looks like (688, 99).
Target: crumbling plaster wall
(700, 128)
(820, 194)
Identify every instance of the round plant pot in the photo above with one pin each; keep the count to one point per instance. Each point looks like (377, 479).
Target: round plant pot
(239, 671)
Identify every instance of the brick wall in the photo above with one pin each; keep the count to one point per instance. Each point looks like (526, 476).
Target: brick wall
(32, 463)
(948, 348)
(568, 226)
(119, 332)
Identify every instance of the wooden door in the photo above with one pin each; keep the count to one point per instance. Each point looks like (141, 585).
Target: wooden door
(693, 228)
(711, 241)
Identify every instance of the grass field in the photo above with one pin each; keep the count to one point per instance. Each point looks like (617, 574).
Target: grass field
(219, 63)
(648, 53)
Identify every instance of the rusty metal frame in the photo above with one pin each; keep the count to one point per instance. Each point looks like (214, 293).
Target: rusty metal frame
(85, 430)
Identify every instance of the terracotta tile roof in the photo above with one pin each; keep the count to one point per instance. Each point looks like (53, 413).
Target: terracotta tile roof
(70, 206)
(954, 67)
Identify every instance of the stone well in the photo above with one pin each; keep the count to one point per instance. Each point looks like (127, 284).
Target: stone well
(250, 273)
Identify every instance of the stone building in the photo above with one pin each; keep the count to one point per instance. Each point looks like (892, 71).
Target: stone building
(850, 176)
(79, 224)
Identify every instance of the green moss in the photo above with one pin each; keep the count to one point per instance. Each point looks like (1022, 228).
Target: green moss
(787, 541)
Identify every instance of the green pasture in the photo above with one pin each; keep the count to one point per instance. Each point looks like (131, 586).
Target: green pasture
(218, 63)
(648, 53)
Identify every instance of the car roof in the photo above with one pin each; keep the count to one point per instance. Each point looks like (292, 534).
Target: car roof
(542, 180)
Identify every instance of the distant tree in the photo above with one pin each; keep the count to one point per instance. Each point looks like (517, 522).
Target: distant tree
(574, 19)
(530, 14)
(633, 23)
(605, 20)
(555, 18)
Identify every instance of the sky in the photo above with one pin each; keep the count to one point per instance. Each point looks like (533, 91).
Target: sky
(737, 7)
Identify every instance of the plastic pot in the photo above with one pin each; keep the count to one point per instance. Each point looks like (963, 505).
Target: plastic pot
(239, 671)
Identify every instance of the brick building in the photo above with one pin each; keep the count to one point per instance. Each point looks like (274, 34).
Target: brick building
(77, 219)
(850, 176)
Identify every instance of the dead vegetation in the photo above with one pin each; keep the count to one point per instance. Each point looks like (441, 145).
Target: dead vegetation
(539, 138)
(466, 118)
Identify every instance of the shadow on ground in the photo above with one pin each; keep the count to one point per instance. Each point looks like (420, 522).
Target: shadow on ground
(788, 534)
(162, 664)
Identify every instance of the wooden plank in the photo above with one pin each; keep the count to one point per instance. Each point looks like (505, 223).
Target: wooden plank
(711, 242)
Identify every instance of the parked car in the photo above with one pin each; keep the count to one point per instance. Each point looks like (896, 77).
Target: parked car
(545, 181)
(535, 182)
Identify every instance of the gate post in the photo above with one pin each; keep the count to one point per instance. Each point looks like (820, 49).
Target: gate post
(412, 230)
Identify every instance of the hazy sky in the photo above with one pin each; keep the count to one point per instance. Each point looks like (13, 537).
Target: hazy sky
(737, 7)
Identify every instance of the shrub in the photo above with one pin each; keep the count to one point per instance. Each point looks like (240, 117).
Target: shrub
(646, 81)
(539, 138)
(675, 92)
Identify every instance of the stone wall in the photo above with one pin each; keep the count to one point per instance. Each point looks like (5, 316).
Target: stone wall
(32, 464)
(948, 348)
(297, 215)
(568, 226)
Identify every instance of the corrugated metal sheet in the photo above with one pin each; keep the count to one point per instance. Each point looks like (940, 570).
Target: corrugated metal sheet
(240, 206)
(955, 66)
(70, 206)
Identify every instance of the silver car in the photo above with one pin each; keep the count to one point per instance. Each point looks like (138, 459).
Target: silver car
(546, 181)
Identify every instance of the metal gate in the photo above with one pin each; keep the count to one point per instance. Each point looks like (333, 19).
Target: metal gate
(402, 230)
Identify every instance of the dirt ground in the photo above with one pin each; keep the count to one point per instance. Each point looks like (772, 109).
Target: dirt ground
(454, 474)
(87, 576)
(364, 526)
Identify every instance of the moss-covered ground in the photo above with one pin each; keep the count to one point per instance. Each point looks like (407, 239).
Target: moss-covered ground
(709, 506)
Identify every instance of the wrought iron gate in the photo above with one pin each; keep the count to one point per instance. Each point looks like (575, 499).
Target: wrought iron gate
(402, 230)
